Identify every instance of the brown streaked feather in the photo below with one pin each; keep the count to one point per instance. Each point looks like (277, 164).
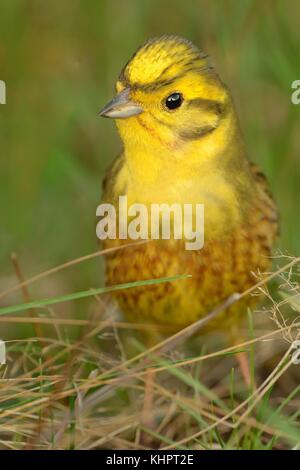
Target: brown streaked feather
(221, 268)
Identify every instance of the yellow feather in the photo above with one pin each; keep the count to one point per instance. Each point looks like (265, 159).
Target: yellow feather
(191, 155)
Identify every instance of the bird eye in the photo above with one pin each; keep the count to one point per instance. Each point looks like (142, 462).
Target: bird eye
(174, 101)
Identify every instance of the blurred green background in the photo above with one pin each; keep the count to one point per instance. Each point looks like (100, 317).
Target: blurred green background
(60, 60)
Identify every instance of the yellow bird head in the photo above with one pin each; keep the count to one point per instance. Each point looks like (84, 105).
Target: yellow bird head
(168, 96)
(182, 141)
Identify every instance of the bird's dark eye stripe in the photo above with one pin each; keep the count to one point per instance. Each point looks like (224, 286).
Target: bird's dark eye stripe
(173, 101)
(195, 133)
(209, 105)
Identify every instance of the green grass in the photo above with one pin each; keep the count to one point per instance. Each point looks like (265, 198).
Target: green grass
(87, 392)
(87, 293)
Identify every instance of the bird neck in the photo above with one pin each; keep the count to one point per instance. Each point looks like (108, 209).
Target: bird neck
(209, 168)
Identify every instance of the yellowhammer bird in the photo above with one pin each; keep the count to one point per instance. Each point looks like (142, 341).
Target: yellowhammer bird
(182, 144)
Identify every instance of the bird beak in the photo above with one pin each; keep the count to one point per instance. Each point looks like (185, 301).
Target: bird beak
(121, 107)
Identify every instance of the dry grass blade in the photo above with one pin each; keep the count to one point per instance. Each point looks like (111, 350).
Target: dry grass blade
(86, 394)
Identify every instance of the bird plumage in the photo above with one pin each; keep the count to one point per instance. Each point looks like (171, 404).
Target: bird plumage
(193, 154)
